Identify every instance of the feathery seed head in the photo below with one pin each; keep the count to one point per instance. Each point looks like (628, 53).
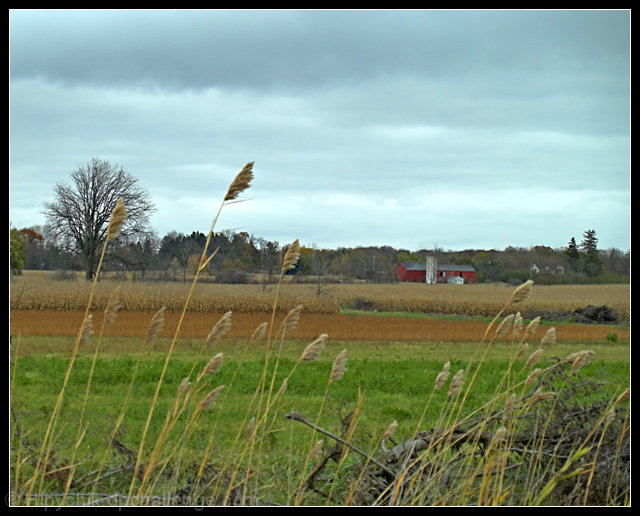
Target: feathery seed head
(582, 360)
(511, 402)
(456, 383)
(156, 325)
(313, 350)
(221, 327)
(522, 293)
(517, 324)
(533, 325)
(210, 398)
(241, 182)
(291, 256)
(338, 370)
(505, 325)
(500, 435)
(259, 332)
(214, 364)
(443, 376)
(539, 396)
(391, 429)
(112, 307)
(533, 376)
(290, 322)
(533, 358)
(118, 216)
(87, 329)
(549, 338)
(184, 384)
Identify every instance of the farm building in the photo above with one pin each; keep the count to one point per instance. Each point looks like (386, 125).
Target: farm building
(417, 272)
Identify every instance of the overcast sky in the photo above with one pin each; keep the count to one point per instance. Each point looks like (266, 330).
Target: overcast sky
(461, 129)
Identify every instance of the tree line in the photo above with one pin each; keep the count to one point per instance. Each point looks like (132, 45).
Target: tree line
(240, 255)
(77, 219)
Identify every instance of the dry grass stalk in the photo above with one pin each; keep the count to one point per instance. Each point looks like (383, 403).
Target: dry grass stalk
(511, 402)
(338, 369)
(210, 398)
(522, 293)
(549, 338)
(313, 350)
(214, 365)
(184, 384)
(442, 377)
(517, 324)
(291, 256)
(241, 182)
(533, 358)
(111, 311)
(315, 451)
(582, 360)
(500, 435)
(539, 396)
(283, 387)
(259, 332)
(533, 377)
(156, 325)
(626, 394)
(290, 322)
(391, 430)
(251, 429)
(220, 328)
(87, 330)
(505, 325)
(533, 326)
(522, 349)
(456, 383)
(118, 216)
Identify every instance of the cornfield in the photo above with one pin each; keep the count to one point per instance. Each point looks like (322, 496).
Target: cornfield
(36, 292)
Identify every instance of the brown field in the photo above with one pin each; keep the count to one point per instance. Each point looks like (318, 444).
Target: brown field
(33, 291)
(197, 325)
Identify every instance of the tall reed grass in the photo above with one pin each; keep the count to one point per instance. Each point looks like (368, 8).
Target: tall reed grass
(540, 439)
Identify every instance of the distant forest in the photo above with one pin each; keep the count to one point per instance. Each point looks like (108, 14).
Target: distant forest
(243, 258)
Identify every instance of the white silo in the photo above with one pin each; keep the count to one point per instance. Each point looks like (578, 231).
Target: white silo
(431, 270)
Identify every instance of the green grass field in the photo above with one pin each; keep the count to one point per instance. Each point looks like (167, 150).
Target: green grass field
(384, 382)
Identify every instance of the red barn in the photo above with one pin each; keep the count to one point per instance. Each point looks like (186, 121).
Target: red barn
(417, 272)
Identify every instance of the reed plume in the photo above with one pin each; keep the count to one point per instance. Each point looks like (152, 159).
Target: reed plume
(313, 350)
(214, 365)
(241, 182)
(582, 360)
(533, 358)
(522, 293)
(291, 256)
(456, 383)
(220, 328)
(156, 325)
(443, 376)
(533, 325)
(549, 338)
(504, 326)
(118, 216)
(210, 398)
(338, 370)
(87, 330)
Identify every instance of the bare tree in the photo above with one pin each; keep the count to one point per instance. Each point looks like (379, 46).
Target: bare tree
(80, 213)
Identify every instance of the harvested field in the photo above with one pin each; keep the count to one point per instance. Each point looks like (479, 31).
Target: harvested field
(197, 325)
(36, 292)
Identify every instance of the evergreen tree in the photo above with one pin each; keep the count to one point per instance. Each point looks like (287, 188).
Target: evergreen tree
(589, 246)
(573, 256)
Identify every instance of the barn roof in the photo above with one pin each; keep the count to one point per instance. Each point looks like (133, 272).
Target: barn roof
(419, 266)
(412, 266)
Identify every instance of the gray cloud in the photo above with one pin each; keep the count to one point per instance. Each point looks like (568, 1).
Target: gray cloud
(360, 122)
